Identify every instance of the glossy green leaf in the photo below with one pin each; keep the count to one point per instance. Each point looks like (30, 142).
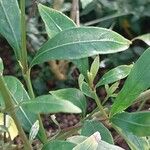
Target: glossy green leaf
(1, 66)
(58, 145)
(91, 143)
(73, 95)
(110, 91)
(54, 20)
(10, 24)
(114, 75)
(19, 95)
(94, 67)
(50, 104)
(91, 126)
(145, 38)
(76, 43)
(136, 83)
(137, 123)
(135, 142)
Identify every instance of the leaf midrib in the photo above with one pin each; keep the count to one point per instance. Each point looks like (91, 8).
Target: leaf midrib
(72, 43)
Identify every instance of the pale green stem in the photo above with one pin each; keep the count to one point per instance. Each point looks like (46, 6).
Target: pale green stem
(98, 102)
(25, 69)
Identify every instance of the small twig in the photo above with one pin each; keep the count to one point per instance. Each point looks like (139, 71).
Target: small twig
(74, 15)
(106, 18)
(4, 120)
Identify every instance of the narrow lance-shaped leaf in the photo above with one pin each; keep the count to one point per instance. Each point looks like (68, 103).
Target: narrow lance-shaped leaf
(50, 104)
(73, 95)
(136, 83)
(94, 67)
(114, 75)
(10, 24)
(137, 123)
(76, 43)
(54, 20)
(145, 38)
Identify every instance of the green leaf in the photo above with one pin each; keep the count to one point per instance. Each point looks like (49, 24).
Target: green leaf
(137, 123)
(91, 143)
(135, 142)
(87, 90)
(94, 67)
(136, 83)
(76, 43)
(77, 139)
(58, 145)
(54, 20)
(80, 80)
(34, 130)
(50, 104)
(91, 126)
(19, 95)
(115, 74)
(1, 67)
(10, 24)
(102, 145)
(73, 95)
(145, 38)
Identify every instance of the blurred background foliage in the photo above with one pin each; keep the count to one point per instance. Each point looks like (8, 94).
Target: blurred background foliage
(130, 18)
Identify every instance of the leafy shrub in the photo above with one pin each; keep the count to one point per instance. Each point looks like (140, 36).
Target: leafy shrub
(75, 44)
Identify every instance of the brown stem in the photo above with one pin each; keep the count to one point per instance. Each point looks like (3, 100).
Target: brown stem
(75, 12)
